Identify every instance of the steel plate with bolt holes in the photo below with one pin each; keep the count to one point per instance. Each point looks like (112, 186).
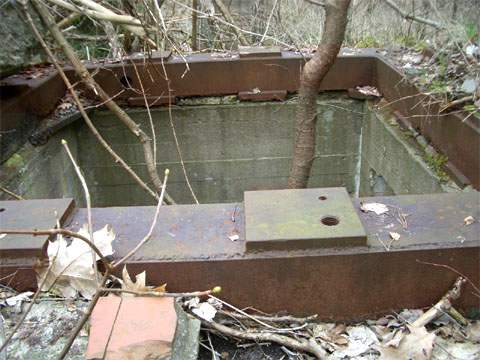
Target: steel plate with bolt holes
(30, 215)
(301, 219)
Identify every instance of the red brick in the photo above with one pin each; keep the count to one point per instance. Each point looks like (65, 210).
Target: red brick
(132, 328)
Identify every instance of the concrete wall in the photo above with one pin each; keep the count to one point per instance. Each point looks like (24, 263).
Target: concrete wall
(44, 171)
(392, 162)
(227, 149)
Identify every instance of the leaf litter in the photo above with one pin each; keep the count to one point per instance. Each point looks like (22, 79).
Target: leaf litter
(70, 272)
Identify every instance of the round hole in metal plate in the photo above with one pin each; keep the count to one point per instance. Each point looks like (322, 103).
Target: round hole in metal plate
(323, 197)
(330, 220)
(2, 209)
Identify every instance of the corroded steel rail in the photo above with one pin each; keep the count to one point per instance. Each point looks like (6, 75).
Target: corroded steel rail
(256, 75)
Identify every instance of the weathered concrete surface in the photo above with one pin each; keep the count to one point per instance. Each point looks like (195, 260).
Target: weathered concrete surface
(43, 172)
(392, 161)
(227, 150)
(46, 330)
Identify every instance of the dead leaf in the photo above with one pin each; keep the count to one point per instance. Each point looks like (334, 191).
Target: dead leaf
(417, 345)
(469, 220)
(14, 300)
(205, 310)
(139, 285)
(65, 106)
(234, 237)
(473, 331)
(71, 271)
(368, 90)
(394, 236)
(377, 208)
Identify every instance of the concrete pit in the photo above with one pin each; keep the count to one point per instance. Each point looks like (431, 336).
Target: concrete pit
(228, 149)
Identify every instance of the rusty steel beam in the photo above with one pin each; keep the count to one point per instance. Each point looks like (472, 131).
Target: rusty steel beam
(271, 72)
(191, 250)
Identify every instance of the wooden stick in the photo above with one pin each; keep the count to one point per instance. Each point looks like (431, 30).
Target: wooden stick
(84, 318)
(82, 111)
(12, 194)
(441, 306)
(85, 75)
(310, 346)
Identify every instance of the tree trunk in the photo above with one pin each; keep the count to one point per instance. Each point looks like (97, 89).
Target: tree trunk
(312, 75)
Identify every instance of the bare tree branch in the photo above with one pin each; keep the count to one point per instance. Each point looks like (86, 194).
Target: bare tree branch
(88, 79)
(409, 16)
(228, 16)
(82, 111)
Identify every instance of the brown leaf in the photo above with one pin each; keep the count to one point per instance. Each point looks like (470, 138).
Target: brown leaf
(417, 345)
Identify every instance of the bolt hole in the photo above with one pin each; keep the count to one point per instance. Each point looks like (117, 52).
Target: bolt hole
(126, 81)
(322, 197)
(330, 220)
(2, 209)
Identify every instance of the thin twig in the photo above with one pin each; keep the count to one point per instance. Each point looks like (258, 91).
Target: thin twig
(56, 232)
(268, 22)
(12, 194)
(88, 79)
(150, 119)
(84, 318)
(177, 144)
(409, 16)
(273, 318)
(89, 205)
(152, 227)
(82, 111)
(215, 290)
(453, 270)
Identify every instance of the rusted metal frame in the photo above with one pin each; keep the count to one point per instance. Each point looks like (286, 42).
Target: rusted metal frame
(459, 140)
(209, 76)
(336, 287)
(218, 76)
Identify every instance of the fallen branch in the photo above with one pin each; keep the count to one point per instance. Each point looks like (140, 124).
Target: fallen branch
(215, 290)
(441, 306)
(456, 102)
(409, 16)
(88, 79)
(12, 194)
(310, 346)
(274, 319)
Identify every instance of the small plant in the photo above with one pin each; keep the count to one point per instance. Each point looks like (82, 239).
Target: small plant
(436, 163)
(472, 32)
(367, 42)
